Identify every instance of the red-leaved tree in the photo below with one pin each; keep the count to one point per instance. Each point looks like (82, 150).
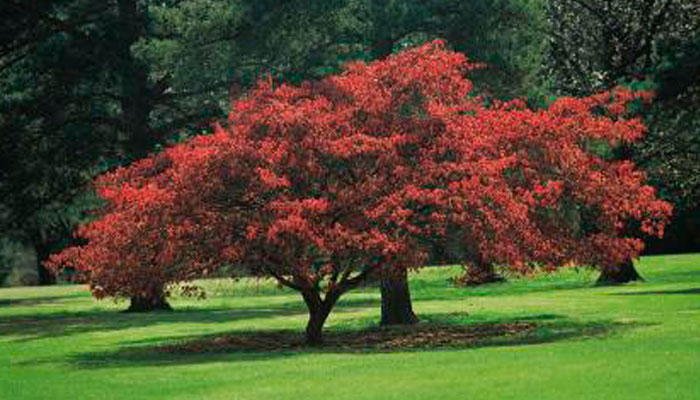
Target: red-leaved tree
(154, 230)
(324, 184)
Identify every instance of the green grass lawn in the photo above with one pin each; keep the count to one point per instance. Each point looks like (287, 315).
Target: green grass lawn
(640, 341)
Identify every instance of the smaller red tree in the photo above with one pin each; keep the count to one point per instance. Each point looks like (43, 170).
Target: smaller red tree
(327, 183)
(152, 232)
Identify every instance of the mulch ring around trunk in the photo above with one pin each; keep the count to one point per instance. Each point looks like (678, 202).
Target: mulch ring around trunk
(420, 336)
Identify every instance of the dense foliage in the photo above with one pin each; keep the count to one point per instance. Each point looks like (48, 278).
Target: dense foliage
(89, 86)
(599, 43)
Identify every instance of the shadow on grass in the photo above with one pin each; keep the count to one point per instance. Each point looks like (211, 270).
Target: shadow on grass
(38, 301)
(58, 324)
(659, 292)
(29, 327)
(55, 324)
(437, 332)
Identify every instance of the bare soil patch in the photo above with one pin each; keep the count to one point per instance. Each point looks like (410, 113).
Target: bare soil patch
(382, 339)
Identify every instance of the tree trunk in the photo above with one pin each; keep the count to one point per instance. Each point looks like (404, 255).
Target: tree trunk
(479, 274)
(620, 274)
(397, 308)
(154, 301)
(46, 277)
(135, 139)
(319, 309)
(43, 251)
(314, 328)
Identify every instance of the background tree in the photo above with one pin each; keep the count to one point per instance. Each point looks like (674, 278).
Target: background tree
(594, 45)
(671, 153)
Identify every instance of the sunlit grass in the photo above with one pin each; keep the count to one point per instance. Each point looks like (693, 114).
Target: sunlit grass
(638, 341)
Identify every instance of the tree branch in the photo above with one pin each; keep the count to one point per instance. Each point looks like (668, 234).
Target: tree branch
(284, 281)
(347, 283)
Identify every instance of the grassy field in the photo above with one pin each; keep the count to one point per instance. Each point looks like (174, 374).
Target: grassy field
(640, 341)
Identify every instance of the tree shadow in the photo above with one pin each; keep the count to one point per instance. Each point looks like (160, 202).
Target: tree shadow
(37, 301)
(31, 327)
(659, 292)
(437, 332)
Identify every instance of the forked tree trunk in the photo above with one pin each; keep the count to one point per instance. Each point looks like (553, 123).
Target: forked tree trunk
(397, 308)
(620, 274)
(154, 301)
(319, 309)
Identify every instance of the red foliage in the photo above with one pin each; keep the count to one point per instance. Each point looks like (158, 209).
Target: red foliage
(322, 184)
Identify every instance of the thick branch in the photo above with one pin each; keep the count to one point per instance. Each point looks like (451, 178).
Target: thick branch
(284, 281)
(347, 283)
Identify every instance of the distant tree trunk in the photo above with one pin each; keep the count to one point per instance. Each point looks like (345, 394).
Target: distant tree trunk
(135, 138)
(153, 301)
(46, 277)
(319, 309)
(479, 274)
(43, 250)
(397, 308)
(620, 274)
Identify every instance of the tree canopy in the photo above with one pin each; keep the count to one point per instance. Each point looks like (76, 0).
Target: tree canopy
(323, 184)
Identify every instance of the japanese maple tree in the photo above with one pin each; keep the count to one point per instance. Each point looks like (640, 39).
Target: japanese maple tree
(324, 184)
